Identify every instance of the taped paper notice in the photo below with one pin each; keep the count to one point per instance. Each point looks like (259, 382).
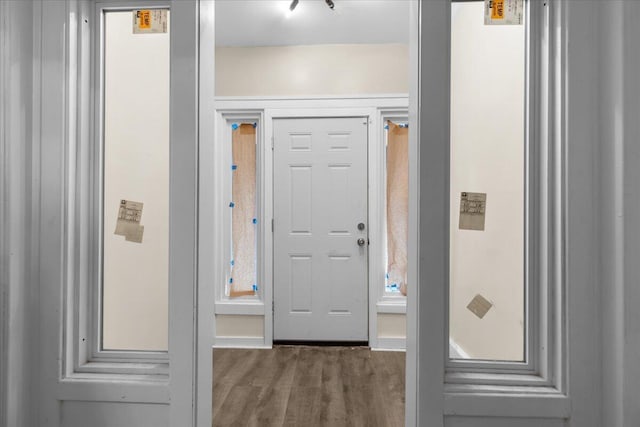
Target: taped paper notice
(472, 211)
(149, 21)
(479, 306)
(503, 12)
(128, 223)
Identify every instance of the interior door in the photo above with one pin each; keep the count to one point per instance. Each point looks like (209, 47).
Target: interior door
(320, 229)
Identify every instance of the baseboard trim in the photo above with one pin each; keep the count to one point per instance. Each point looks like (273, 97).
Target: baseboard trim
(390, 344)
(240, 342)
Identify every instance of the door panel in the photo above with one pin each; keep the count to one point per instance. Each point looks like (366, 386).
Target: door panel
(320, 197)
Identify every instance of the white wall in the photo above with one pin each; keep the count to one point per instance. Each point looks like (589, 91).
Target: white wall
(487, 156)
(311, 70)
(136, 168)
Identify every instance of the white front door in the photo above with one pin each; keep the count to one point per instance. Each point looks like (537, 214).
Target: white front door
(320, 229)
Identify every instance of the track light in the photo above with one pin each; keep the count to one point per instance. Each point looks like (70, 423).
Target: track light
(294, 3)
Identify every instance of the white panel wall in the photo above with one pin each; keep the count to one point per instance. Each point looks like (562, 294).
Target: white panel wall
(239, 326)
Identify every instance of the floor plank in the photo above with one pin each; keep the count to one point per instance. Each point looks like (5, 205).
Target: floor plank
(308, 386)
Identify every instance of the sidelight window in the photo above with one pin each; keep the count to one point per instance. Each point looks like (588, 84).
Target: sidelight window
(488, 195)
(134, 204)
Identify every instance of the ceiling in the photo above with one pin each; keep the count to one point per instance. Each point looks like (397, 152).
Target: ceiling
(270, 23)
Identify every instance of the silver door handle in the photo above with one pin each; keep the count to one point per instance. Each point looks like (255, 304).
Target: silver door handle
(361, 242)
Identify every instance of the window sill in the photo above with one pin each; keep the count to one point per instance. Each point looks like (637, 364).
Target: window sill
(397, 305)
(123, 370)
(246, 307)
(120, 387)
(517, 402)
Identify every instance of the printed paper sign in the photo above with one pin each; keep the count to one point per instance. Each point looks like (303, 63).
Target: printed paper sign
(149, 21)
(472, 211)
(128, 223)
(503, 12)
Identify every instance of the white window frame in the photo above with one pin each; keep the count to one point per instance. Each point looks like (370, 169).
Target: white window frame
(387, 302)
(63, 150)
(222, 185)
(541, 376)
(532, 237)
(84, 305)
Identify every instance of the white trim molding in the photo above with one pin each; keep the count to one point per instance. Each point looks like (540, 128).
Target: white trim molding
(241, 342)
(18, 287)
(263, 111)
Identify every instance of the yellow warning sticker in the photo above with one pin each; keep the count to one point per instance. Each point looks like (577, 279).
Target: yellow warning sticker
(503, 12)
(497, 9)
(144, 19)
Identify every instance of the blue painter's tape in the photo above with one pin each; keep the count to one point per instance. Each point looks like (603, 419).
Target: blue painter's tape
(230, 279)
(386, 276)
(234, 126)
(231, 204)
(403, 125)
(255, 125)
(386, 127)
(234, 167)
(232, 262)
(255, 220)
(255, 288)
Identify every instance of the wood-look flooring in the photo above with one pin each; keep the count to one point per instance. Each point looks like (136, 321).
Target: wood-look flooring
(308, 386)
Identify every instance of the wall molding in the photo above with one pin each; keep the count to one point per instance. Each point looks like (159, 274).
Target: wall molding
(241, 342)
(390, 344)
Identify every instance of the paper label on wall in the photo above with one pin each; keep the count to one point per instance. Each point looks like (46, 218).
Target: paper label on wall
(503, 12)
(149, 21)
(128, 223)
(472, 211)
(479, 306)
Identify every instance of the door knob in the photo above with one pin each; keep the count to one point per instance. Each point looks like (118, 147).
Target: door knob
(361, 242)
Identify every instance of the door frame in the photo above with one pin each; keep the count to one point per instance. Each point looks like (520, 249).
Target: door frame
(266, 109)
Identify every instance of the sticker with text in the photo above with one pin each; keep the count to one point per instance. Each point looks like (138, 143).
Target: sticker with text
(472, 211)
(150, 21)
(503, 12)
(128, 222)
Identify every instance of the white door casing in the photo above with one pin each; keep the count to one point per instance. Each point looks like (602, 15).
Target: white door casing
(320, 197)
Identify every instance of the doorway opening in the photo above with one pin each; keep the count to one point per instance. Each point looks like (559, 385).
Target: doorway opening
(322, 271)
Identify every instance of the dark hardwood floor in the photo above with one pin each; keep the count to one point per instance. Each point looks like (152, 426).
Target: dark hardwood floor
(308, 386)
